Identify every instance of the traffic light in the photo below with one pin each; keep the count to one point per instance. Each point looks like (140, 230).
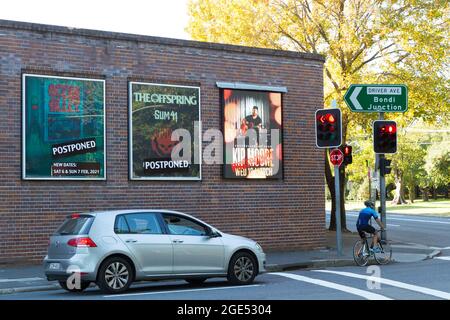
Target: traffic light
(384, 136)
(347, 150)
(328, 128)
(385, 166)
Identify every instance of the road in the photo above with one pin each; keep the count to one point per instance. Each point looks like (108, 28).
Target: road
(426, 230)
(429, 279)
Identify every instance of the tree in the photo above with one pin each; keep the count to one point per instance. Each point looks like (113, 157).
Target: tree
(364, 41)
(437, 167)
(408, 168)
(440, 172)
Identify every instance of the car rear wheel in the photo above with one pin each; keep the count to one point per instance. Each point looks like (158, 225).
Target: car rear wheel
(115, 275)
(74, 288)
(242, 269)
(195, 281)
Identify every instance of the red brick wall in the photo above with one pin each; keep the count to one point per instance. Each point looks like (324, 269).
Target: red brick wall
(281, 215)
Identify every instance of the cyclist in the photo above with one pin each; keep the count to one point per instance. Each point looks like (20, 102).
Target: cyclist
(362, 224)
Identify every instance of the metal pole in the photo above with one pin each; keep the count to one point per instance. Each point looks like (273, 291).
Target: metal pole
(382, 190)
(369, 175)
(338, 211)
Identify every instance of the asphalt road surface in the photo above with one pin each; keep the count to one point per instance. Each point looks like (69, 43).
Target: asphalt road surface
(426, 230)
(424, 280)
(429, 279)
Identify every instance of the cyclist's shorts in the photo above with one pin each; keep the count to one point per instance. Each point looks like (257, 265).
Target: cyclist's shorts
(365, 228)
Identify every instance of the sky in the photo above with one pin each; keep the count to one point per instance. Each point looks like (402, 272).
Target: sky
(164, 18)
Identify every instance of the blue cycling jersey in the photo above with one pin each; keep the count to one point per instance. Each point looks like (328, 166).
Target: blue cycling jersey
(365, 215)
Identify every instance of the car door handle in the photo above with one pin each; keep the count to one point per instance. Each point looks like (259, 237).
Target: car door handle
(177, 241)
(130, 240)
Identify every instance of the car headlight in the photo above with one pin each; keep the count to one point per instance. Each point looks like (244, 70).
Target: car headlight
(258, 247)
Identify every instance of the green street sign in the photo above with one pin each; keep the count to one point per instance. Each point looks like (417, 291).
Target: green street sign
(377, 98)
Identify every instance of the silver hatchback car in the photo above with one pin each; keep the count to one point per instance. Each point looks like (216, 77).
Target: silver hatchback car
(115, 248)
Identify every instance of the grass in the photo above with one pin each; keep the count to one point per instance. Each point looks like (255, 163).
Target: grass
(419, 207)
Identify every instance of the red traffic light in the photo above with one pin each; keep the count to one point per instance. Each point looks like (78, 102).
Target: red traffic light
(327, 118)
(347, 150)
(388, 129)
(385, 136)
(330, 118)
(328, 128)
(391, 129)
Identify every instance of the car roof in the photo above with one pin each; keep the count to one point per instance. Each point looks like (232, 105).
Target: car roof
(125, 211)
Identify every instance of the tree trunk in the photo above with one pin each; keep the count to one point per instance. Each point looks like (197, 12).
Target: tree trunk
(330, 183)
(425, 194)
(342, 199)
(411, 194)
(434, 193)
(399, 197)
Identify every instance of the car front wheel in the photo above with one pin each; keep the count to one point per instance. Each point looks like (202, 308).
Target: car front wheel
(242, 269)
(115, 275)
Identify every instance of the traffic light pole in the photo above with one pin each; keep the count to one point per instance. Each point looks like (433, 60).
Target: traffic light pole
(382, 188)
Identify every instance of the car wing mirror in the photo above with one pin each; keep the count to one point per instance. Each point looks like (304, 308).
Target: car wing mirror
(213, 234)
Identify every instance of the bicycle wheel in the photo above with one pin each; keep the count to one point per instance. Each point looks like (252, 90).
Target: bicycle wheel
(361, 253)
(385, 256)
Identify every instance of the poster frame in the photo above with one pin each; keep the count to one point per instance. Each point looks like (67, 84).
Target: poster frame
(130, 134)
(36, 75)
(254, 88)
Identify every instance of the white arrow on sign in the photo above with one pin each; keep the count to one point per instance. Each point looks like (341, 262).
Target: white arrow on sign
(354, 96)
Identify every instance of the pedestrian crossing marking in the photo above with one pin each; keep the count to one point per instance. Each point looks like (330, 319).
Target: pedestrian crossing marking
(398, 284)
(362, 293)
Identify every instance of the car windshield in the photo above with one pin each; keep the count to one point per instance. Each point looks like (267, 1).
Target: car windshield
(75, 225)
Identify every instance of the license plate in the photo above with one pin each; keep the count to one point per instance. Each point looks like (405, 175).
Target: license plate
(54, 266)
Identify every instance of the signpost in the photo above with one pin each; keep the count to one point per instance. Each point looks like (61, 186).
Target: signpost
(336, 158)
(377, 98)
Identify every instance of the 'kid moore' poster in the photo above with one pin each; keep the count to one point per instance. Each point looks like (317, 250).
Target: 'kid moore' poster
(252, 134)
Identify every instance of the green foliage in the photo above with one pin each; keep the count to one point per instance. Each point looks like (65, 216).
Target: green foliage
(363, 41)
(409, 160)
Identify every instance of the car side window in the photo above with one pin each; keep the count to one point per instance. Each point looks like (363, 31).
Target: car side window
(121, 225)
(180, 226)
(143, 223)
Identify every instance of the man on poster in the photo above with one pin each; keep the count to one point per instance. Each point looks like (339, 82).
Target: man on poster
(252, 121)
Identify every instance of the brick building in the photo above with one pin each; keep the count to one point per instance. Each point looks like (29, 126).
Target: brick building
(281, 214)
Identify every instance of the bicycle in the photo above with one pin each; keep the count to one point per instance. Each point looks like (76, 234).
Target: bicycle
(362, 252)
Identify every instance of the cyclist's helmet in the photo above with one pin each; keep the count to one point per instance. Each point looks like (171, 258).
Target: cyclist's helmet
(369, 204)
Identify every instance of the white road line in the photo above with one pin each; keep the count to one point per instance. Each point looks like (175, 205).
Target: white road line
(393, 225)
(180, 291)
(398, 284)
(365, 294)
(440, 248)
(20, 280)
(419, 220)
(443, 258)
